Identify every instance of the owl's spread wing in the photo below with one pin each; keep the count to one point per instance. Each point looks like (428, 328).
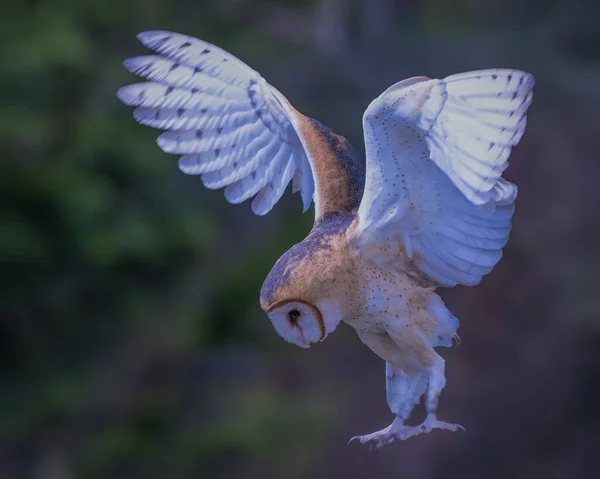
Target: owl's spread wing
(436, 150)
(228, 124)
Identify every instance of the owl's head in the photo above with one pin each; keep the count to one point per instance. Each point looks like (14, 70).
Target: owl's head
(303, 294)
(303, 323)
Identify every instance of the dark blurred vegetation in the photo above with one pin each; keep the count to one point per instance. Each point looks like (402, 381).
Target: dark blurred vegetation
(132, 344)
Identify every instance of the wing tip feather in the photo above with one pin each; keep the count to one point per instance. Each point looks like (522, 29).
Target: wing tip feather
(148, 37)
(129, 94)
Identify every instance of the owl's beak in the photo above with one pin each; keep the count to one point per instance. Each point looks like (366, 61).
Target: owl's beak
(303, 343)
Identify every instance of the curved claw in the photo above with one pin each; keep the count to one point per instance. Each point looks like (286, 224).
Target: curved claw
(432, 422)
(373, 446)
(374, 443)
(396, 430)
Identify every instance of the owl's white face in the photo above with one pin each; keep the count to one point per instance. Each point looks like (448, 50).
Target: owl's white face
(298, 323)
(302, 323)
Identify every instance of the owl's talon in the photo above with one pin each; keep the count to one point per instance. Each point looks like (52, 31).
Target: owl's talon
(353, 439)
(432, 422)
(396, 430)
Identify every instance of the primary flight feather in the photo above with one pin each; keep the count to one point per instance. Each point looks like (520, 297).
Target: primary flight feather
(432, 208)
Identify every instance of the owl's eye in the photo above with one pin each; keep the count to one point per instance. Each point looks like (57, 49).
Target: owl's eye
(293, 315)
(298, 322)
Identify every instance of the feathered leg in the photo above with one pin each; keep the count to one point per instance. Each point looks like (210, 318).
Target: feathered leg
(403, 393)
(422, 369)
(434, 367)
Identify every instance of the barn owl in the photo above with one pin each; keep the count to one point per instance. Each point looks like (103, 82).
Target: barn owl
(430, 209)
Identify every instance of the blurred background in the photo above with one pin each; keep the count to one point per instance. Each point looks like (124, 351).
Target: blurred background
(132, 344)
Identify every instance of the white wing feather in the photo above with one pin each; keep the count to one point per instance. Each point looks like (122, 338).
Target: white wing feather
(436, 150)
(227, 122)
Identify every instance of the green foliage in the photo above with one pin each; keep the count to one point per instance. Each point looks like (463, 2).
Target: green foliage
(103, 239)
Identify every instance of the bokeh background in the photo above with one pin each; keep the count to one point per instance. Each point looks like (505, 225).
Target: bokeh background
(132, 344)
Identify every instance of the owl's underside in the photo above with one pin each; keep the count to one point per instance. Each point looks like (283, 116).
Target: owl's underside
(431, 209)
(392, 305)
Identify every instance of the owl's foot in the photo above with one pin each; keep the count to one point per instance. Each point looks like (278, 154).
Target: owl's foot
(396, 430)
(432, 422)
